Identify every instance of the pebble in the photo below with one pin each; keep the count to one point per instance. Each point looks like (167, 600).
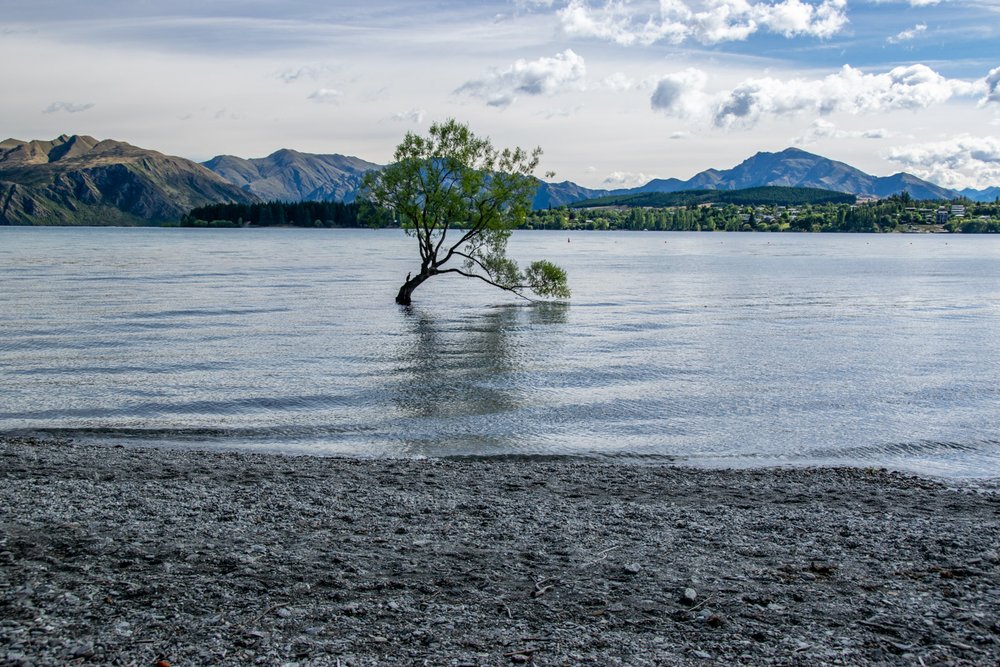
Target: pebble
(83, 650)
(245, 533)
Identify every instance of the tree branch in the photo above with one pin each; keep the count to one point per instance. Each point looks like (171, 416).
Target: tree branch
(514, 289)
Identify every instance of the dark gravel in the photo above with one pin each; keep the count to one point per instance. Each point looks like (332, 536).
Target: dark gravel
(119, 556)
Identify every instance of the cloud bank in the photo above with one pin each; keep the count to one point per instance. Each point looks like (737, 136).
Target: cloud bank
(68, 107)
(959, 162)
(849, 90)
(545, 76)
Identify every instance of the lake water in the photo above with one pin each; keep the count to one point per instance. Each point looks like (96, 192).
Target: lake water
(706, 349)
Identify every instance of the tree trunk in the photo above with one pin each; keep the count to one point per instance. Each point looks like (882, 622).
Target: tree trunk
(403, 297)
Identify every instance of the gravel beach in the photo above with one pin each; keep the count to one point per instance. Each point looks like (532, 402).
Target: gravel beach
(121, 556)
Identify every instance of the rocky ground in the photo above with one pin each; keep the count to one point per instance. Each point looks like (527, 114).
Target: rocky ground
(147, 557)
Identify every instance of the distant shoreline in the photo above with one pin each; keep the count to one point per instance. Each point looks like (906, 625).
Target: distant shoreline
(115, 555)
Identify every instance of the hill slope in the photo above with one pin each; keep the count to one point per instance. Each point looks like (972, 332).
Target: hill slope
(288, 175)
(81, 180)
(554, 195)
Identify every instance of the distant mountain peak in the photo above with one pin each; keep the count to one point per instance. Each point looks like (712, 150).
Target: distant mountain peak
(794, 150)
(795, 167)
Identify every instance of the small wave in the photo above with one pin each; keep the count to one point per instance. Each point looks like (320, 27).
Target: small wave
(199, 312)
(917, 448)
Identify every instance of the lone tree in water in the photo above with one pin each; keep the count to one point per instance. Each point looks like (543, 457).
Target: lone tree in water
(461, 198)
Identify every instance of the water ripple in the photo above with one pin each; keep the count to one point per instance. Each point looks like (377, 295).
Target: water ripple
(709, 349)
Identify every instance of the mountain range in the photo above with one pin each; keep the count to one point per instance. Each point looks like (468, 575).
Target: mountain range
(81, 180)
(289, 175)
(794, 167)
(294, 176)
(78, 180)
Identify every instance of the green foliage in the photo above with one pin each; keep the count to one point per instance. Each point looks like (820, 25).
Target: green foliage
(547, 279)
(980, 227)
(460, 198)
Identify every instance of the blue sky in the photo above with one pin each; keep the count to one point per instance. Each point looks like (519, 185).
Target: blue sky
(614, 92)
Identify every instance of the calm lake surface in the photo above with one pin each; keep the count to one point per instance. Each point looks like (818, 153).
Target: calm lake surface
(707, 349)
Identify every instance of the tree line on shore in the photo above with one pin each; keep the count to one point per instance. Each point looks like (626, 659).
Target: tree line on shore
(288, 214)
(896, 213)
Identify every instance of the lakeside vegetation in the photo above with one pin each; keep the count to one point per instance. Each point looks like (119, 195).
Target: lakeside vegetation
(750, 210)
(893, 214)
(286, 214)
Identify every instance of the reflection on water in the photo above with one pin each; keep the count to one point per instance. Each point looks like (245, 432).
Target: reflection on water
(710, 349)
(462, 370)
(456, 375)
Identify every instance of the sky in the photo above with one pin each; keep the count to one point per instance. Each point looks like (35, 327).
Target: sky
(615, 92)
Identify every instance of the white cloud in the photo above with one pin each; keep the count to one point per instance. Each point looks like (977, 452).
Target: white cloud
(306, 72)
(824, 129)
(618, 82)
(849, 90)
(705, 21)
(415, 116)
(68, 107)
(959, 162)
(679, 135)
(545, 76)
(907, 35)
(682, 94)
(627, 178)
(992, 82)
(326, 96)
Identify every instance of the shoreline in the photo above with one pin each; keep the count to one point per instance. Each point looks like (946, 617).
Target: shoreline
(119, 556)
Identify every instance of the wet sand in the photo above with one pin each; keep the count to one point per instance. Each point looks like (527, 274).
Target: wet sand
(118, 556)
